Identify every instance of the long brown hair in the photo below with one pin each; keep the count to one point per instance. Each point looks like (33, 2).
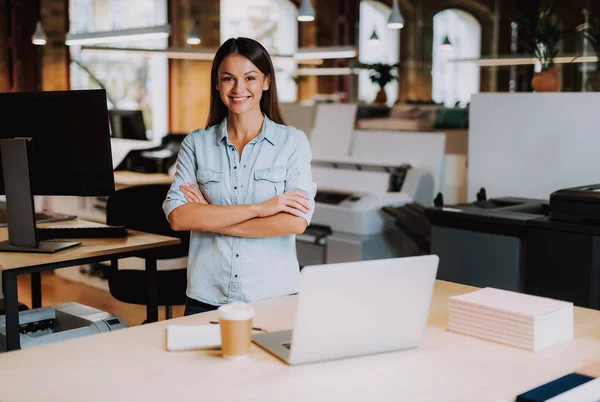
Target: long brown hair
(258, 55)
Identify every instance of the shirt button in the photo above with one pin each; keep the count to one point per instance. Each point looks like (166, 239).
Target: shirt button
(236, 275)
(235, 167)
(237, 255)
(245, 166)
(235, 187)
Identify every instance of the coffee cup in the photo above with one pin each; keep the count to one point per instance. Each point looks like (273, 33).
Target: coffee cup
(235, 321)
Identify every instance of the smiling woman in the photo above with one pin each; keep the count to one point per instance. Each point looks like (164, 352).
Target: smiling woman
(243, 186)
(242, 70)
(273, 23)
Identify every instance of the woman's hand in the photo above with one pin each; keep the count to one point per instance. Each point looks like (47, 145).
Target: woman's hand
(293, 203)
(192, 193)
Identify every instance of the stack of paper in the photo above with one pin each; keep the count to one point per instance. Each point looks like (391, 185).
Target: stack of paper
(516, 319)
(190, 337)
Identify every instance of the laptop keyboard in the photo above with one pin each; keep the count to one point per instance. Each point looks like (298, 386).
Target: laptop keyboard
(286, 345)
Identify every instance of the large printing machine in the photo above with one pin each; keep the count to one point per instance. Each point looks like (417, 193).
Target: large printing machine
(349, 224)
(60, 322)
(544, 247)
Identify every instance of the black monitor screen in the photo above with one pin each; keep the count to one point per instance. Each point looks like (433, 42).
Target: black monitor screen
(127, 124)
(70, 150)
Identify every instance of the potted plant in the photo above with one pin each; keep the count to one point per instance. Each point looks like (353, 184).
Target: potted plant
(546, 33)
(382, 74)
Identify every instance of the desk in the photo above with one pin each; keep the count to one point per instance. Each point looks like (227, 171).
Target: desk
(90, 251)
(133, 364)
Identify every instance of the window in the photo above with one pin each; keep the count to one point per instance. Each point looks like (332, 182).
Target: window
(374, 16)
(131, 81)
(272, 23)
(455, 82)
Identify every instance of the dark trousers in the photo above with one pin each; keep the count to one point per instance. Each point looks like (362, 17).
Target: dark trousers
(193, 306)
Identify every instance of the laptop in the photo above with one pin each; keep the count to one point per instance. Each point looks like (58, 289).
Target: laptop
(356, 308)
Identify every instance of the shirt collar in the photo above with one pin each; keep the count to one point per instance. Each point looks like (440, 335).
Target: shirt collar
(266, 132)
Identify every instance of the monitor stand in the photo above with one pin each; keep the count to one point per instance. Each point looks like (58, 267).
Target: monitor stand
(20, 208)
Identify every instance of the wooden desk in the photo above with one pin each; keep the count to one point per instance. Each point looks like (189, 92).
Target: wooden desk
(133, 364)
(90, 251)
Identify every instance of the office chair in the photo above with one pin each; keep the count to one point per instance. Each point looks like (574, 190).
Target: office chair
(140, 208)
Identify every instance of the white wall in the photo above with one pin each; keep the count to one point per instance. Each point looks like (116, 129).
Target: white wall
(531, 144)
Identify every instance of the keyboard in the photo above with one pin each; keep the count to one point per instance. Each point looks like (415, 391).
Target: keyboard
(40, 217)
(79, 232)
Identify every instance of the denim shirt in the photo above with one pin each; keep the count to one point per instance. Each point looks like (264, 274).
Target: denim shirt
(221, 268)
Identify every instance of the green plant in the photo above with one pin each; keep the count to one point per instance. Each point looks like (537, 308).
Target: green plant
(545, 32)
(382, 73)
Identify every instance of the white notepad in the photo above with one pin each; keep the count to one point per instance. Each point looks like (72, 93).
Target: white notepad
(193, 337)
(505, 301)
(512, 318)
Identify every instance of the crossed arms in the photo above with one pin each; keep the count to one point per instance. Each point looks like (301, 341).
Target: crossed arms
(281, 215)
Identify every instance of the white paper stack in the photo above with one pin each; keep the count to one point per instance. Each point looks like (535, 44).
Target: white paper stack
(190, 337)
(516, 319)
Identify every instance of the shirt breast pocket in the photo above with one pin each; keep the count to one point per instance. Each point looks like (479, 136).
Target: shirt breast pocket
(209, 182)
(268, 183)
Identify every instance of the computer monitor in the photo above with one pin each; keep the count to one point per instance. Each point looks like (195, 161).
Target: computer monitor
(127, 124)
(68, 152)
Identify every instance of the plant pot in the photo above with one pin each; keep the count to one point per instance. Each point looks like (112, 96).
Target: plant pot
(546, 81)
(381, 97)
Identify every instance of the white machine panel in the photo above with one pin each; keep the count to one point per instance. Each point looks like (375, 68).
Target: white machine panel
(532, 144)
(425, 151)
(359, 213)
(332, 133)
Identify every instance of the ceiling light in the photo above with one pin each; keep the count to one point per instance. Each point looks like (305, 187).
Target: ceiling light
(396, 20)
(121, 35)
(328, 71)
(524, 60)
(306, 12)
(446, 44)
(193, 37)
(181, 53)
(374, 39)
(325, 52)
(39, 36)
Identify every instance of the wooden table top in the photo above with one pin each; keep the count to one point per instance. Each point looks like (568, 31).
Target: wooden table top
(133, 364)
(89, 247)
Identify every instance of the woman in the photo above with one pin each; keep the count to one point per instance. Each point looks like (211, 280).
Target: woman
(243, 186)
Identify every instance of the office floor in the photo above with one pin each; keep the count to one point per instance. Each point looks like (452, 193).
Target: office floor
(58, 290)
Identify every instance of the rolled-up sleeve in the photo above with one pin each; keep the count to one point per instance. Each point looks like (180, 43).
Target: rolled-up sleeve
(299, 174)
(185, 172)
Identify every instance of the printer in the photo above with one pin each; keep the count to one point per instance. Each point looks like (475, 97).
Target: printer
(576, 205)
(349, 224)
(60, 322)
